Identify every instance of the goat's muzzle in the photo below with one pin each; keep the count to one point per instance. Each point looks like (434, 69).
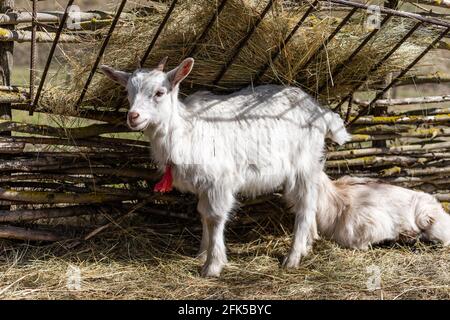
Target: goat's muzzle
(133, 119)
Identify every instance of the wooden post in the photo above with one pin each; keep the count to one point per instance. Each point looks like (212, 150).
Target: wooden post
(6, 62)
(380, 111)
(391, 4)
(6, 66)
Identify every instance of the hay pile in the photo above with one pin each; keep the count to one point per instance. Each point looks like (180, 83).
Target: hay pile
(189, 19)
(146, 258)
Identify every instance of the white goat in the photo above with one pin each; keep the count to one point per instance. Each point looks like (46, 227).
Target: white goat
(358, 212)
(252, 141)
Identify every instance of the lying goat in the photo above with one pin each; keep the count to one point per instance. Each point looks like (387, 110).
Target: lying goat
(358, 212)
(252, 141)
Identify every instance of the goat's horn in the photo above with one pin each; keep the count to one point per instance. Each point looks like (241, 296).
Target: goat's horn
(162, 64)
(137, 62)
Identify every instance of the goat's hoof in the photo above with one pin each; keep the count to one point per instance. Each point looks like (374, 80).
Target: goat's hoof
(291, 262)
(211, 270)
(201, 256)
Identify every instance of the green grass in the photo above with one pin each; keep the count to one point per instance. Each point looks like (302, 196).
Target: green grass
(21, 76)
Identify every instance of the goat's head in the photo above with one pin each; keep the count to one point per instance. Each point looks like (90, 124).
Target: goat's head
(152, 93)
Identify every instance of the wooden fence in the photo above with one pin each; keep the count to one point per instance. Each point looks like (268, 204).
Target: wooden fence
(92, 173)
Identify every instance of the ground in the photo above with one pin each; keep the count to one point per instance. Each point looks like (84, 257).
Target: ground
(140, 258)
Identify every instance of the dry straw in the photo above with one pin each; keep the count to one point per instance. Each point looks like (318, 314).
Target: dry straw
(137, 259)
(189, 19)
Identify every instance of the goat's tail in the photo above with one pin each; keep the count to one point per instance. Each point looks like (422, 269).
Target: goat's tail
(336, 128)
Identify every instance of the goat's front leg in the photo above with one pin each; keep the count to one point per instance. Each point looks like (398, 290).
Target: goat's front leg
(304, 205)
(204, 244)
(215, 208)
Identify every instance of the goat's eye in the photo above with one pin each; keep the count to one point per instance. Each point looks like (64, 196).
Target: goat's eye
(159, 93)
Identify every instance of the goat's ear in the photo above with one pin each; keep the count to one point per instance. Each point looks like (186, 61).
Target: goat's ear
(120, 77)
(182, 71)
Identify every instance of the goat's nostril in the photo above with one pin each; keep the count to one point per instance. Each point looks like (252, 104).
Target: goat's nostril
(133, 115)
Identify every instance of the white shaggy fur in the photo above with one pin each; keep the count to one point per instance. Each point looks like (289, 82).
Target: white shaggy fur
(359, 212)
(252, 141)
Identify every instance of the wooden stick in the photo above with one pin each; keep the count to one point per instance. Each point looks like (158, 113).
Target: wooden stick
(41, 37)
(393, 171)
(371, 161)
(6, 66)
(382, 129)
(436, 3)
(11, 147)
(139, 155)
(144, 145)
(426, 171)
(398, 150)
(420, 111)
(55, 177)
(74, 133)
(103, 116)
(55, 17)
(401, 129)
(78, 168)
(96, 144)
(10, 232)
(11, 96)
(433, 155)
(55, 198)
(397, 13)
(165, 213)
(37, 164)
(404, 101)
(49, 213)
(442, 197)
(431, 133)
(441, 118)
(416, 180)
(119, 172)
(424, 79)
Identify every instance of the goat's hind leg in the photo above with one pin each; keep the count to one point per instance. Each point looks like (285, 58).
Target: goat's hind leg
(303, 200)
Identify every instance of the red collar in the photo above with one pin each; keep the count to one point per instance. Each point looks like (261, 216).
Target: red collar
(165, 185)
